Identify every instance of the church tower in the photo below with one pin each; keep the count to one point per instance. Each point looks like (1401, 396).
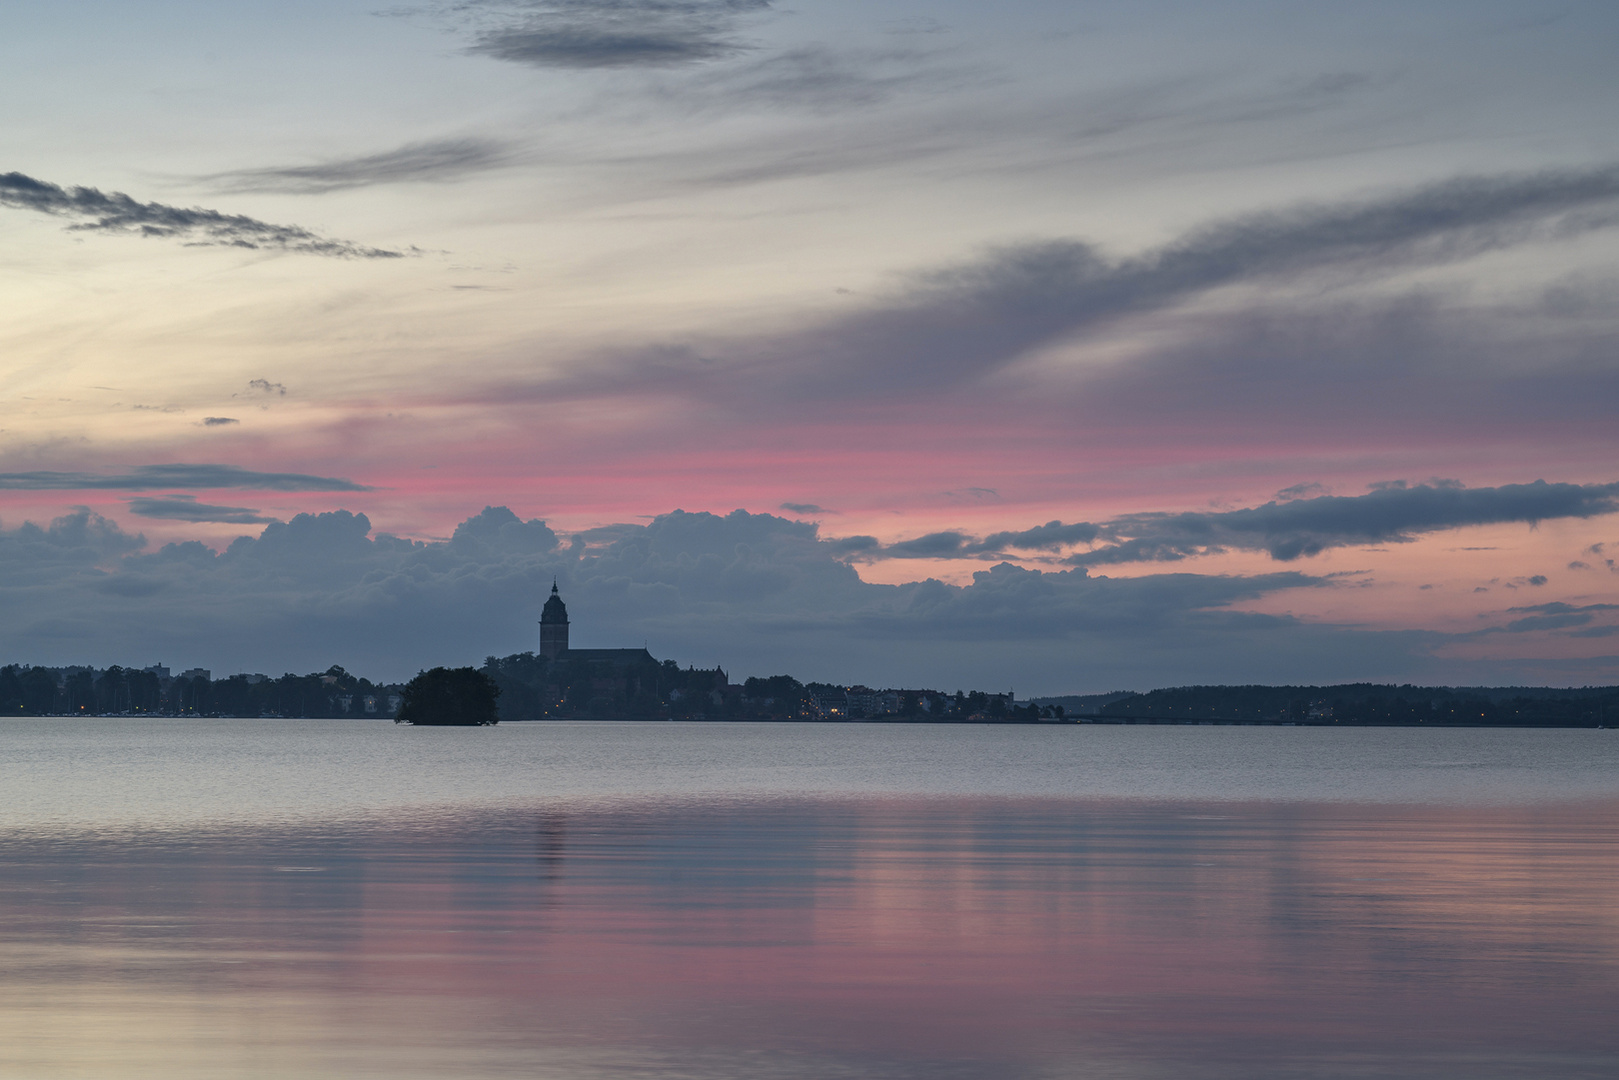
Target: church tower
(554, 627)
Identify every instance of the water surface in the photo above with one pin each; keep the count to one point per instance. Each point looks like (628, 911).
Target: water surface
(329, 899)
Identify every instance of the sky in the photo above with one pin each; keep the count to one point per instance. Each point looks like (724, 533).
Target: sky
(1059, 347)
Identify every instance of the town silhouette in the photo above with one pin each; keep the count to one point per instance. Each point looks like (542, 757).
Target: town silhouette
(559, 682)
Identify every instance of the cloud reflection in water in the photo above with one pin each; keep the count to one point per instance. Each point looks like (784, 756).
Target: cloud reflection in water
(814, 938)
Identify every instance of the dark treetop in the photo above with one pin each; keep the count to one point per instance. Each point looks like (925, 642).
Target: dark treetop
(449, 697)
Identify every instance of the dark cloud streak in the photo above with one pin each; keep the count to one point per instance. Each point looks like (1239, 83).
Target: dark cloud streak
(1558, 616)
(114, 212)
(1302, 527)
(168, 477)
(1393, 513)
(609, 33)
(187, 508)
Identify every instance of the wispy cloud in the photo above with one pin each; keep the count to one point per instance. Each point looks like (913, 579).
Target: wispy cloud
(93, 210)
(818, 78)
(1393, 513)
(187, 508)
(435, 161)
(168, 477)
(954, 325)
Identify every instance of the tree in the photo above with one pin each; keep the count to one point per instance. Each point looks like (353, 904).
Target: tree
(525, 684)
(80, 690)
(11, 700)
(38, 691)
(455, 697)
(778, 695)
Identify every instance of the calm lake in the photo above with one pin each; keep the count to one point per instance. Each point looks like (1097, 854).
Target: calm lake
(288, 899)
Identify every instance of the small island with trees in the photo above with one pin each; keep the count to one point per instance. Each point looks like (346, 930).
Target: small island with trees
(449, 697)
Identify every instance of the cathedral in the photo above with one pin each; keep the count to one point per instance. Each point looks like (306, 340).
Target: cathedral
(564, 683)
(554, 640)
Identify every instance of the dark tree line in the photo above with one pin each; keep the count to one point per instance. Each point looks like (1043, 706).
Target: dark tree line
(535, 687)
(530, 687)
(40, 691)
(970, 707)
(1369, 704)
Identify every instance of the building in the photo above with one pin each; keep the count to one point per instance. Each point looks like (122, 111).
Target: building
(831, 703)
(868, 702)
(554, 640)
(608, 665)
(554, 627)
(597, 681)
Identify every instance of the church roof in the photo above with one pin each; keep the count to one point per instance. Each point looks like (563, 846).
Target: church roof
(622, 657)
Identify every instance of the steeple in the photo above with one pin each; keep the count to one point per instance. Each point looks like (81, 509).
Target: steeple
(554, 626)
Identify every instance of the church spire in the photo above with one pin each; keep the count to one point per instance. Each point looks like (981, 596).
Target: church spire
(554, 626)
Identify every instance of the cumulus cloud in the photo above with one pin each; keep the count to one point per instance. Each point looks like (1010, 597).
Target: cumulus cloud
(161, 477)
(83, 536)
(187, 508)
(497, 529)
(93, 210)
(265, 386)
(1393, 512)
(757, 593)
(607, 33)
(434, 161)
